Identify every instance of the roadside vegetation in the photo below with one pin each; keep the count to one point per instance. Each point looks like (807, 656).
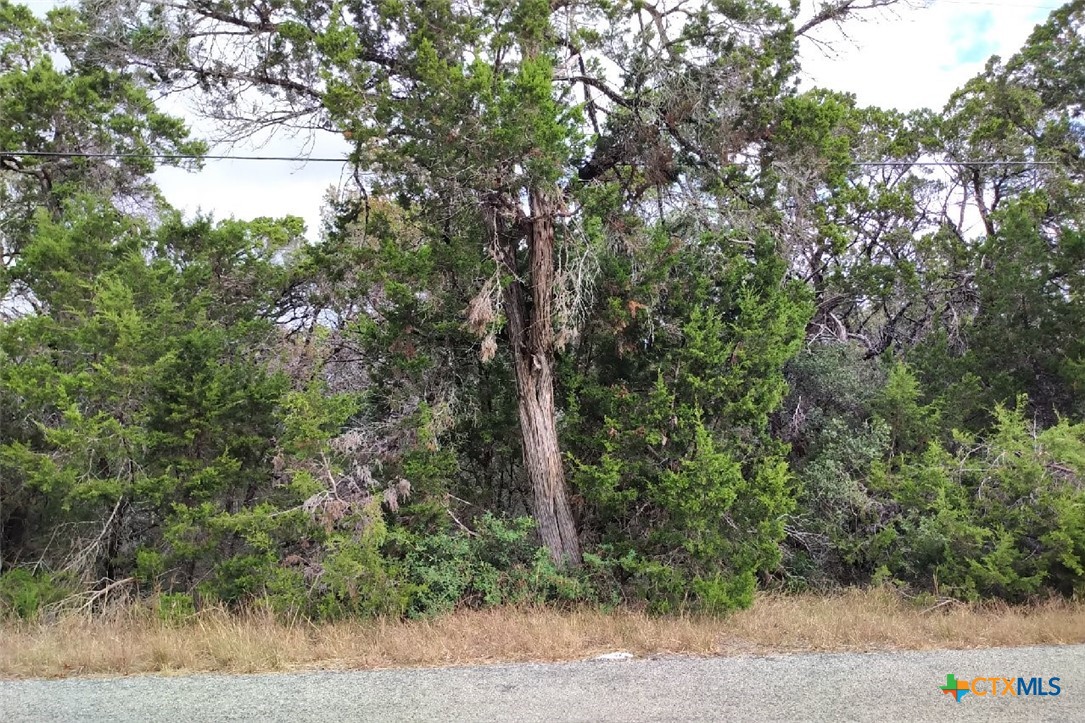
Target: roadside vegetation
(153, 639)
(617, 333)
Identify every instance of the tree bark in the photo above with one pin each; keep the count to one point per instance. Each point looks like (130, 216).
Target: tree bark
(529, 309)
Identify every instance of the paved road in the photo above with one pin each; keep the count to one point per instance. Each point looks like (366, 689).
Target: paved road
(899, 687)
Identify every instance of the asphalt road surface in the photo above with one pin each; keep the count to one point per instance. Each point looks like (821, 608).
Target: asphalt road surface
(899, 687)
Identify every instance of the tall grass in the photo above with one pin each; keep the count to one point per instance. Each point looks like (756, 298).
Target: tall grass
(132, 640)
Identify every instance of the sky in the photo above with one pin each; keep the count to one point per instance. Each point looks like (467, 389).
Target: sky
(915, 57)
(908, 57)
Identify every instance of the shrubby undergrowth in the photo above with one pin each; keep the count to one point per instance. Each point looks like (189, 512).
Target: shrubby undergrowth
(996, 514)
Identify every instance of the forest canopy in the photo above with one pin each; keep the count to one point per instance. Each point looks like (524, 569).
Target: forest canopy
(614, 312)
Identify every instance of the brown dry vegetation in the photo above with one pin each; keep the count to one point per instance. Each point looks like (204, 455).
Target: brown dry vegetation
(133, 642)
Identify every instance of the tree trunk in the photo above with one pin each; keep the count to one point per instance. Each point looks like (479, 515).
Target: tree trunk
(531, 333)
(542, 459)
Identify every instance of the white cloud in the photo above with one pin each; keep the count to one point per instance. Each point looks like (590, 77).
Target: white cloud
(249, 189)
(916, 57)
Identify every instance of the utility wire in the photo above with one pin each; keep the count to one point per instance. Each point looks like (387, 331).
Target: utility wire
(955, 163)
(168, 156)
(319, 159)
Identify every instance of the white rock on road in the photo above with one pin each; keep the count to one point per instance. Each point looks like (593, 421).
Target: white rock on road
(887, 686)
(618, 655)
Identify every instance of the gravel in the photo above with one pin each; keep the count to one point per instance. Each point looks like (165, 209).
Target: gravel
(901, 686)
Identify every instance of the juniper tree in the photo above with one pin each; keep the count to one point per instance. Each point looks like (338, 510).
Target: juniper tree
(512, 130)
(54, 101)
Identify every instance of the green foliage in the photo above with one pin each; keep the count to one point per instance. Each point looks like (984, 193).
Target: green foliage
(143, 402)
(630, 249)
(174, 608)
(996, 515)
(1002, 517)
(497, 563)
(357, 581)
(835, 441)
(1022, 334)
(687, 489)
(25, 595)
(55, 98)
(911, 424)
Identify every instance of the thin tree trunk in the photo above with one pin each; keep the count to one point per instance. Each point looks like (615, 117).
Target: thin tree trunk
(531, 333)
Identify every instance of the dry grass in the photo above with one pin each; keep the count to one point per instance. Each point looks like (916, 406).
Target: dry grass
(216, 641)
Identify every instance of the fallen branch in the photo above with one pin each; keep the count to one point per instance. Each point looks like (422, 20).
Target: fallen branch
(943, 603)
(96, 595)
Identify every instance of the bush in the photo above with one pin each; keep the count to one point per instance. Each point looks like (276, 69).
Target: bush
(1001, 517)
(499, 563)
(25, 595)
(173, 608)
(684, 487)
(888, 494)
(357, 581)
(835, 515)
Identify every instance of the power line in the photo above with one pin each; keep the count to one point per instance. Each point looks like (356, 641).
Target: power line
(319, 159)
(168, 156)
(956, 163)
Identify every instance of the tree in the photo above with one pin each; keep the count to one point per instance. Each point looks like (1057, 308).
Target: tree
(52, 101)
(504, 128)
(56, 101)
(971, 273)
(668, 414)
(146, 396)
(1021, 333)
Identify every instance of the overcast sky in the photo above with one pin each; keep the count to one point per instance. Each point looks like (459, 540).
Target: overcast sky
(907, 58)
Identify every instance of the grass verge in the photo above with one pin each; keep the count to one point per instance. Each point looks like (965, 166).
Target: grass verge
(132, 642)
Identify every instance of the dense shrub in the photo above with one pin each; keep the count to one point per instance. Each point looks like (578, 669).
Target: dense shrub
(26, 595)
(1002, 516)
(684, 486)
(889, 497)
(835, 438)
(497, 563)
